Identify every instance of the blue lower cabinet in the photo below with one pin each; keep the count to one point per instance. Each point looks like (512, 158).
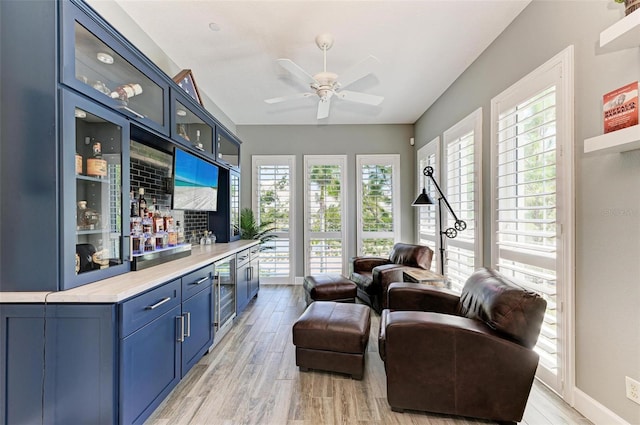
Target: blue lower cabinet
(198, 335)
(59, 364)
(150, 367)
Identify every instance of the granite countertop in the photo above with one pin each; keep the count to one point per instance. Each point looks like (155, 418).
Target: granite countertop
(119, 288)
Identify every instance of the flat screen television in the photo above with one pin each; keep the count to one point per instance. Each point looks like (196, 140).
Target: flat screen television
(195, 183)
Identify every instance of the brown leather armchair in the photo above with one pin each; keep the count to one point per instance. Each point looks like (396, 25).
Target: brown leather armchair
(372, 275)
(468, 355)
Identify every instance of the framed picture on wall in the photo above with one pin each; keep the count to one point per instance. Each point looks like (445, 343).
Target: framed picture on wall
(186, 81)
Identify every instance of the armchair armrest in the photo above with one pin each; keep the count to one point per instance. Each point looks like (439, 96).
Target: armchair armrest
(421, 297)
(359, 264)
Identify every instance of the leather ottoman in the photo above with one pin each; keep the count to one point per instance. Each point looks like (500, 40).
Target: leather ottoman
(332, 336)
(329, 287)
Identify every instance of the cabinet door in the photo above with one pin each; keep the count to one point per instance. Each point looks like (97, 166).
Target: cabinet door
(198, 335)
(79, 343)
(98, 62)
(228, 148)
(254, 277)
(234, 205)
(149, 366)
(95, 168)
(242, 287)
(225, 287)
(190, 125)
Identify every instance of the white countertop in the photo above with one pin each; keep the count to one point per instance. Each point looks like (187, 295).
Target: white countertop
(119, 288)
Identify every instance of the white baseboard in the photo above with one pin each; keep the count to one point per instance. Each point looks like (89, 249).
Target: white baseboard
(594, 410)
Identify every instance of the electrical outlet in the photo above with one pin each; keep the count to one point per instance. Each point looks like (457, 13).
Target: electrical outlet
(633, 389)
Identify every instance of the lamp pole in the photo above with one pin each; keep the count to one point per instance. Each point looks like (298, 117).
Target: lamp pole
(425, 199)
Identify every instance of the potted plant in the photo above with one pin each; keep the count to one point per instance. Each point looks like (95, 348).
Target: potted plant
(251, 229)
(630, 5)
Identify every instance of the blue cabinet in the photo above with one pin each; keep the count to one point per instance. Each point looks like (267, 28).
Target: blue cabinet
(98, 62)
(198, 335)
(164, 332)
(60, 364)
(150, 359)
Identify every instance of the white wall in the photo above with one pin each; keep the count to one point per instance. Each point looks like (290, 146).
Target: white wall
(607, 263)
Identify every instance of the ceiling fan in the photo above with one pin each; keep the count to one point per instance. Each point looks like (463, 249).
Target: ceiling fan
(325, 84)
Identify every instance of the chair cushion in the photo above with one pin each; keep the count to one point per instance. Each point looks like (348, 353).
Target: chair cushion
(503, 305)
(411, 255)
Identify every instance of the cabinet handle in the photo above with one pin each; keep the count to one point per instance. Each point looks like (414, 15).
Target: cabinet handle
(181, 337)
(198, 282)
(158, 304)
(188, 324)
(131, 111)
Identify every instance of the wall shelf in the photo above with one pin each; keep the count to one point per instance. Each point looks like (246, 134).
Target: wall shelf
(623, 34)
(623, 140)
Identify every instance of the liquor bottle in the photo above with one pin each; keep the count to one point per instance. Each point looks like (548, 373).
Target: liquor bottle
(198, 143)
(134, 205)
(96, 166)
(125, 91)
(180, 233)
(142, 203)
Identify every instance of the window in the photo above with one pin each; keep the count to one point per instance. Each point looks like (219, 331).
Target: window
(325, 202)
(427, 225)
(462, 186)
(378, 199)
(273, 187)
(532, 186)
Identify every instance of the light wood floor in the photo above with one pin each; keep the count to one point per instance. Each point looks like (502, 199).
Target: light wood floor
(250, 377)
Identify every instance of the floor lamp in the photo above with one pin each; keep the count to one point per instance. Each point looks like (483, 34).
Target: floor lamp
(425, 199)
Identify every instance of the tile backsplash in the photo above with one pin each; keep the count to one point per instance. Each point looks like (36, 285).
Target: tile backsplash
(151, 169)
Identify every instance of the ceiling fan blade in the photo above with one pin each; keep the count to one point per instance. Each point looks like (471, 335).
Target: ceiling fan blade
(297, 71)
(358, 71)
(353, 96)
(291, 97)
(323, 108)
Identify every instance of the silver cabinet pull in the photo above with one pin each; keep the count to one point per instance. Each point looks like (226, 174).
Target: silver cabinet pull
(188, 324)
(181, 337)
(198, 282)
(158, 304)
(126, 108)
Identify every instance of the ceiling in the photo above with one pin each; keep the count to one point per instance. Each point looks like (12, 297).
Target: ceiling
(422, 46)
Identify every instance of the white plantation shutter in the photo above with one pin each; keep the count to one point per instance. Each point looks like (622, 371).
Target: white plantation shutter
(428, 214)
(526, 227)
(533, 201)
(378, 203)
(273, 182)
(325, 215)
(463, 191)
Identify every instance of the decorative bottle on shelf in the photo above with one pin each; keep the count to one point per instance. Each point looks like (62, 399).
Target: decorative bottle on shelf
(96, 166)
(142, 203)
(134, 205)
(78, 163)
(198, 143)
(179, 233)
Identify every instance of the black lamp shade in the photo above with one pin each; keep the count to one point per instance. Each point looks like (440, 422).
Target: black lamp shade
(423, 199)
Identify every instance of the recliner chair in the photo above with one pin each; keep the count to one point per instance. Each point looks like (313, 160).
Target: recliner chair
(468, 355)
(372, 275)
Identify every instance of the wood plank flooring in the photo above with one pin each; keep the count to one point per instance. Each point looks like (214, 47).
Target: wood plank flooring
(250, 377)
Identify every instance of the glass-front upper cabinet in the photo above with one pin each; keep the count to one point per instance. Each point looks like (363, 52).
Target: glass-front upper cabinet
(95, 168)
(234, 205)
(104, 66)
(189, 125)
(228, 148)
